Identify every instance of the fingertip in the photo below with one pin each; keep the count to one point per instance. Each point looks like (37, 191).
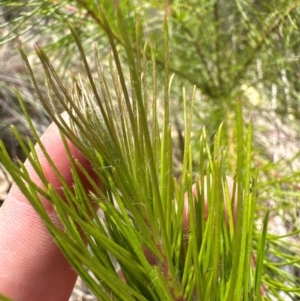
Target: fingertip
(32, 266)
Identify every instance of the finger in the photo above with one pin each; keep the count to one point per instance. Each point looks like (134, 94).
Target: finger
(32, 266)
(149, 256)
(230, 183)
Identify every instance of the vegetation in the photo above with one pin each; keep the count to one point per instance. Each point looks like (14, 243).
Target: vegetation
(157, 74)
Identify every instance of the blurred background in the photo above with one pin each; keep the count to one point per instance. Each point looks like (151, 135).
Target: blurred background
(231, 51)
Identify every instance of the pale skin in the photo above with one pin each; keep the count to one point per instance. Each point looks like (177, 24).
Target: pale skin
(32, 266)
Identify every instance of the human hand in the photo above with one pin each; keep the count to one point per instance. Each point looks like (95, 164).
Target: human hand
(31, 265)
